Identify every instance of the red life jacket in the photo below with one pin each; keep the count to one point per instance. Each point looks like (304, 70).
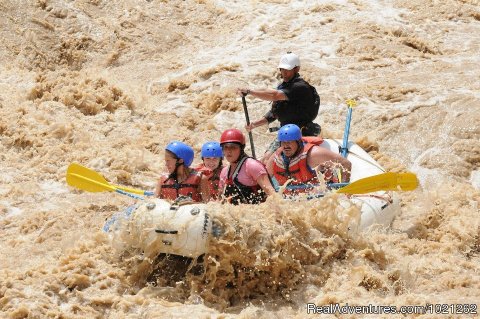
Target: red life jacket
(171, 189)
(315, 140)
(296, 168)
(213, 178)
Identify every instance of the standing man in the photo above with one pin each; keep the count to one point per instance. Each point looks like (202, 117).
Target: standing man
(295, 101)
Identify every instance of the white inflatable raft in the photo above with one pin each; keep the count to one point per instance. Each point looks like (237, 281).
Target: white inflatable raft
(378, 208)
(156, 226)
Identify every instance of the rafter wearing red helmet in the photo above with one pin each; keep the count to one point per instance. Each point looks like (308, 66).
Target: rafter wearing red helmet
(245, 180)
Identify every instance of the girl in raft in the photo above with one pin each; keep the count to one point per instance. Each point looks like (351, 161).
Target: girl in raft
(181, 180)
(245, 180)
(211, 167)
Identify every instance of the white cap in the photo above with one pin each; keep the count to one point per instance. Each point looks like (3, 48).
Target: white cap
(289, 61)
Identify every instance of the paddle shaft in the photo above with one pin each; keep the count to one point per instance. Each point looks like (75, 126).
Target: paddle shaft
(344, 148)
(248, 123)
(382, 182)
(135, 191)
(309, 186)
(128, 194)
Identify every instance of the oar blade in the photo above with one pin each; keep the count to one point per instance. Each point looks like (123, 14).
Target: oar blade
(407, 181)
(386, 182)
(86, 179)
(78, 169)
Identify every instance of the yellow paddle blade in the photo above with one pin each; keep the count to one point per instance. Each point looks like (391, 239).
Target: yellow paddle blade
(86, 179)
(87, 184)
(382, 182)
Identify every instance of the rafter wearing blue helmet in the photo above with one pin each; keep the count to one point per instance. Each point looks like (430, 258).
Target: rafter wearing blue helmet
(211, 167)
(289, 132)
(296, 160)
(181, 180)
(181, 151)
(212, 149)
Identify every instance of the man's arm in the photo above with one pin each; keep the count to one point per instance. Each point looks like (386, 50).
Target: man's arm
(264, 94)
(320, 156)
(255, 124)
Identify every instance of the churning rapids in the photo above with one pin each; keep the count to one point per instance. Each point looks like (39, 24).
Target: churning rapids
(108, 83)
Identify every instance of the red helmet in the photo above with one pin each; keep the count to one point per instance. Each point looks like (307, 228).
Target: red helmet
(232, 135)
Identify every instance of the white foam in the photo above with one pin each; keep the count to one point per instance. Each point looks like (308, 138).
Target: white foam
(176, 106)
(475, 179)
(4, 190)
(227, 119)
(48, 206)
(7, 177)
(11, 210)
(51, 187)
(384, 12)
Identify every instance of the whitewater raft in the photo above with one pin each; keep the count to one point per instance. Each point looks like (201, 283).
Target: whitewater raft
(377, 208)
(156, 226)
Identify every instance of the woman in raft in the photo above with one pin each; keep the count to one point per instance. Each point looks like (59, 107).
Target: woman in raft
(245, 180)
(211, 166)
(181, 180)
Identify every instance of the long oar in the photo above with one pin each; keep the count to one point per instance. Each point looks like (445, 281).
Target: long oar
(381, 182)
(248, 123)
(312, 186)
(346, 132)
(86, 179)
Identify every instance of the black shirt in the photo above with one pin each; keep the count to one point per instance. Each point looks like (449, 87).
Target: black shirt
(301, 107)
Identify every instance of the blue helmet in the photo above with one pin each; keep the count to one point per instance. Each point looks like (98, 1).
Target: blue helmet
(212, 149)
(181, 150)
(289, 132)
